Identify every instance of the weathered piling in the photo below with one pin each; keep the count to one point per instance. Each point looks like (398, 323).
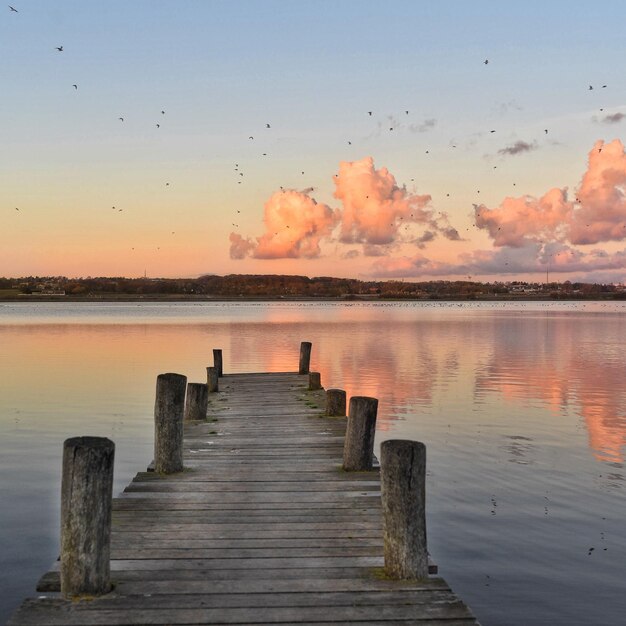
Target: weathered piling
(403, 478)
(335, 402)
(218, 362)
(315, 381)
(305, 357)
(212, 379)
(168, 423)
(358, 449)
(197, 401)
(86, 492)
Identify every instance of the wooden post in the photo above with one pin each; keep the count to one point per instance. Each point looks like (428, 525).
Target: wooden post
(218, 362)
(358, 447)
(86, 491)
(212, 379)
(197, 401)
(335, 402)
(168, 423)
(402, 481)
(305, 357)
(315, 381)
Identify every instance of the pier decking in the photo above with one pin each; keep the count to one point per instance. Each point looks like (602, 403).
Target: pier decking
(262, 527)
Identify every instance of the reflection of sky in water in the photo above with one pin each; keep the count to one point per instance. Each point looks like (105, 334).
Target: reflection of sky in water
(521, 406)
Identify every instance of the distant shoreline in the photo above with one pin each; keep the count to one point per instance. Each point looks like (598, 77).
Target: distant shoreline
(340, 299)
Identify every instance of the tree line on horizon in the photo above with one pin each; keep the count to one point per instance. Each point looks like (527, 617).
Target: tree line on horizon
(278, 285)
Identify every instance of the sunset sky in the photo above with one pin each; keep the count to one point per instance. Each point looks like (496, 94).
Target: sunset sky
(497, 170)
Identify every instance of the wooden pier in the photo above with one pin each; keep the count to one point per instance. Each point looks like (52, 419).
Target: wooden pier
(262, 527)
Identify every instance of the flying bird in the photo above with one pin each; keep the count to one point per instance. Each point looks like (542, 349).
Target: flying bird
(75, 86)
(590, 88)
(13, 9)
(545, 130)
(121, 119)
(369, 113)
(492, 131)
(267, 126)
(407, 112)
(162, 112)
(59, 48)
(158, 125)
(486, 61)
(251, 137)
(16, 209)
(603, 86)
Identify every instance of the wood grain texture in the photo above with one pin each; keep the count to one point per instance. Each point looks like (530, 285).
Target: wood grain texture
(263, 526)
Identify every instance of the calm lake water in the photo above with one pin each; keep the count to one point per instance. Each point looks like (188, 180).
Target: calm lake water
(522, 407)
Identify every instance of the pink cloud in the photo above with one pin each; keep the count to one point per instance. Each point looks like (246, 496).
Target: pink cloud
(409, 267)
(376, 213)
(294, 226)
(532, 258)
(517, 221)
(421, 241)
(597, 214)
(240, 247)
(372, 250)
(537, 258)
(602, 196)
(374, 207)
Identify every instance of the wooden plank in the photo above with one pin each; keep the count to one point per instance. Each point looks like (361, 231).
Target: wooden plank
(129, 551)
(271, 486)
(210, 587)
(269, 600)
(283, 477)
(309, 577)
(50, 612)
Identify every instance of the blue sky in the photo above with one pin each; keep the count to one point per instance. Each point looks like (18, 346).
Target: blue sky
(223, 70)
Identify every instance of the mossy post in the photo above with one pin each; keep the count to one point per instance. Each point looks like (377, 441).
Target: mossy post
(212, 379)
(86, 492)
(197, 401)
(315, 381)
(358, 448)
(335, 403)
(305, 357)
(168, 423)
(402, 480)
(218, 362)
